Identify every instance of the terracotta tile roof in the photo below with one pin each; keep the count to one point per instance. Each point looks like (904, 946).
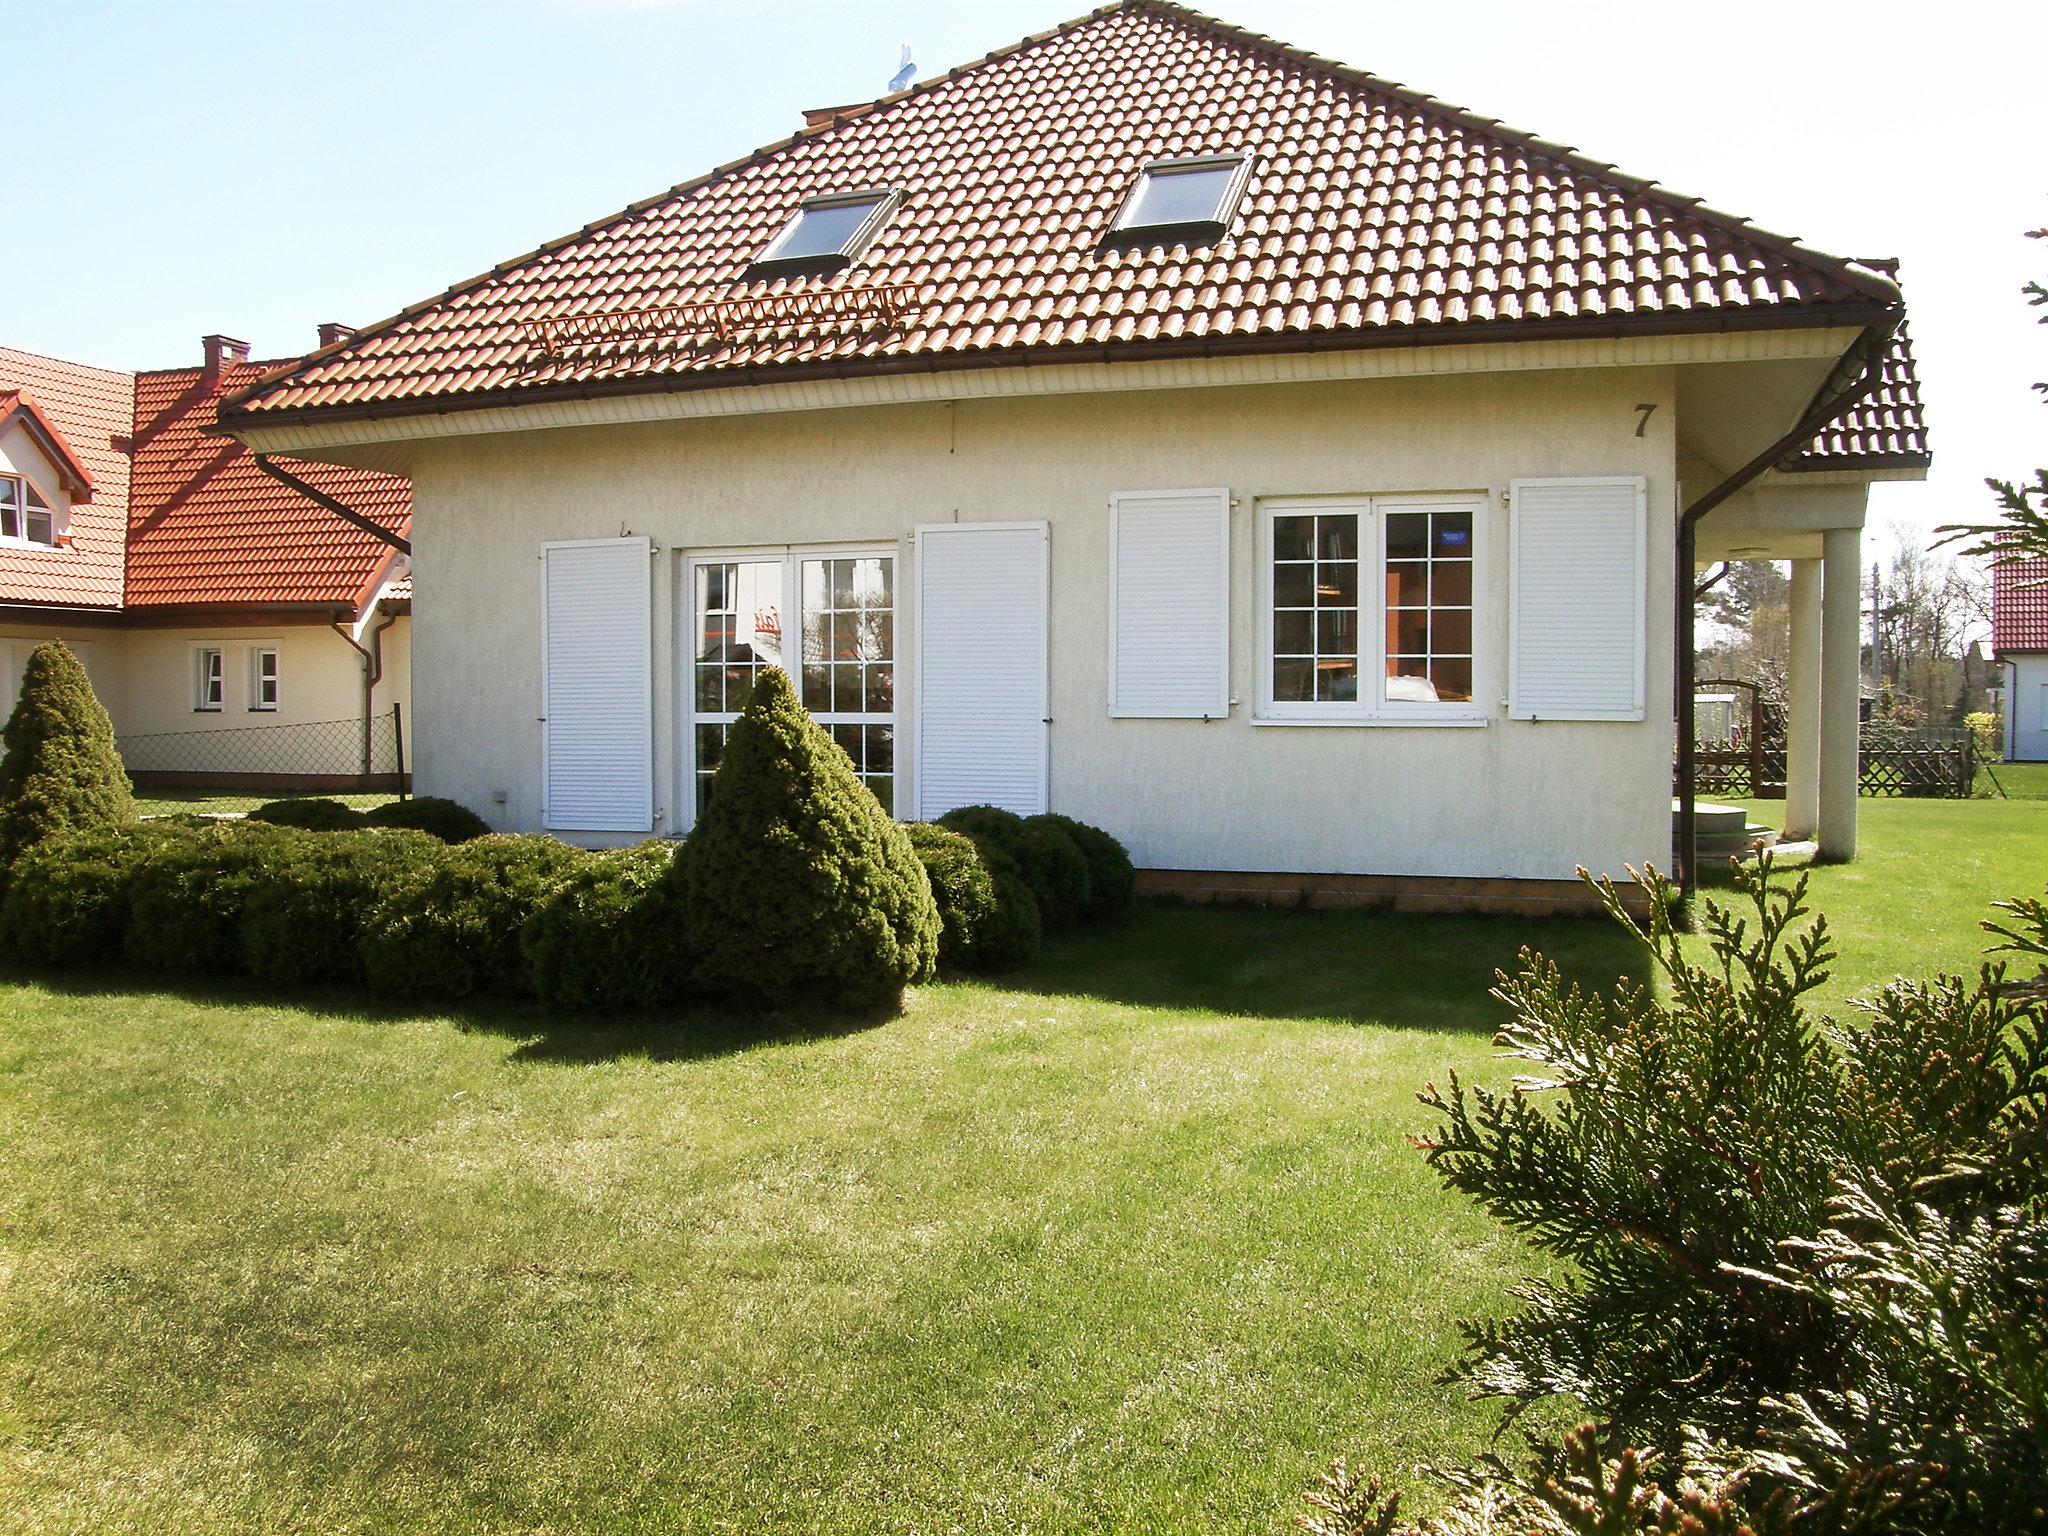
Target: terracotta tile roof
(2019, 607)
(207, 527)
(91, 408)
(1372, 215)
(1887, 431)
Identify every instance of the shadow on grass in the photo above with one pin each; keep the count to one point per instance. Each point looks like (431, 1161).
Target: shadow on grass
(1407, 970)
(542, 1034)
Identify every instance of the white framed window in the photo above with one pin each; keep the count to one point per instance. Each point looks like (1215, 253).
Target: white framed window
(209, 676)
(1195, 195)
(840, 652)
(263, 678)
(25, 517)
(1368, 609)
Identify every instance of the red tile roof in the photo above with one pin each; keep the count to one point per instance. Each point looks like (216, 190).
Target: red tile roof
(206, 527)
(1888, 430)
(1372, 215)
(91, 407)
(2019, 607)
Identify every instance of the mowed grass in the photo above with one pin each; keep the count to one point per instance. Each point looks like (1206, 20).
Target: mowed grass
(1133, 1241)
(206, 802)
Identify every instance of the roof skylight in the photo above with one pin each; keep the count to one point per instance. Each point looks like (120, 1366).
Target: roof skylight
(1189, 197)
(826, 234)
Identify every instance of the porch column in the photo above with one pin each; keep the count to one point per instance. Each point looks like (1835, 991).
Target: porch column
(1841, 688)
(1802, 716)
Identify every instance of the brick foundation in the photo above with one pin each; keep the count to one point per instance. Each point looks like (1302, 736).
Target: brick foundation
(1382, 893)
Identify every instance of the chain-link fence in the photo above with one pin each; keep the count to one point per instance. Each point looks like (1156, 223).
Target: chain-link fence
(239, 768)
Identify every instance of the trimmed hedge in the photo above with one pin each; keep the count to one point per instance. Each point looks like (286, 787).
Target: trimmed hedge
(186, 899)
(60, 771)
(304, 921)
(1053, 866)
(607, 935)
(988, 918)
(309, 814)
(1112, 882)
(456, 933)
(67, 903)
(444, 819)
(796, 885)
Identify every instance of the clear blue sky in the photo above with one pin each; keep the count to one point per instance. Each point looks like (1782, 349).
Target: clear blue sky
(256, 167)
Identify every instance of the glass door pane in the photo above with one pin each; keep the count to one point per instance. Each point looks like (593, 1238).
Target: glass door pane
(736, 632)
(849, 660)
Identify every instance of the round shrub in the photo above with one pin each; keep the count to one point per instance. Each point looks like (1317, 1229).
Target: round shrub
(605, 934)
(797, 886)
(1112, 882)
(988, 918)
(60, 771)
(303, 920)
(1052, 864)
(67, 897)
(444, 819)
(457, 932)
(309, 814)
(186, 898)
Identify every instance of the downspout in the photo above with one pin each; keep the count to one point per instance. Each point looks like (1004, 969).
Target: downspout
(1829, 407)
(373, 674)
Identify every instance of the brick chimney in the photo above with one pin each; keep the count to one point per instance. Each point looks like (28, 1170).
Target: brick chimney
(222, 353)
(332, 331)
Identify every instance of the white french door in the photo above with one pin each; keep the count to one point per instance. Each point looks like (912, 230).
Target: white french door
(840, 652)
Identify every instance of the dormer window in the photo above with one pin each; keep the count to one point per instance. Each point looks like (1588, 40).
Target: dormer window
(826, 235)
(25, 517)
(1191, 200)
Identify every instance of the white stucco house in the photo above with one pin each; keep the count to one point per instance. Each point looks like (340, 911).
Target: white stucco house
(1150, 422)
(2019, 649)
(240, 633)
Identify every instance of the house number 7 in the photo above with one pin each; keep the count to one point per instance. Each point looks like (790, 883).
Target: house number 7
(1643, 417)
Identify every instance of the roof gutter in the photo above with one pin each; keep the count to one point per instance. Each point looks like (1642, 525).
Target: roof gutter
(341, 510)
(1860, 372)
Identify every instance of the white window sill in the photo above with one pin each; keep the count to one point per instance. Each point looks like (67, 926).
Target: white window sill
(1330, 722)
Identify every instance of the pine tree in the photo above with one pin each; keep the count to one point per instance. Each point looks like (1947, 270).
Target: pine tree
(60, 771)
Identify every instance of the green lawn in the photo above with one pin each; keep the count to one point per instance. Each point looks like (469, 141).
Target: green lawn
(2020, 781)
(206, 802)
(1132, 1241)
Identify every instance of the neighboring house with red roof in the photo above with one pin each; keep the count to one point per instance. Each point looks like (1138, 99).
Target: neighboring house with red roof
(202, 594)
(2019, 644)
(1149, 422)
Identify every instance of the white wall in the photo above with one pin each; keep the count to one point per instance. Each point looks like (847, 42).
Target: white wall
(2027, 709)
(1512, 798)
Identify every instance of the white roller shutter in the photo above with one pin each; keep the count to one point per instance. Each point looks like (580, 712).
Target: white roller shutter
(981, 667)
(597, 698)
(1575, 640)
(1169, 605)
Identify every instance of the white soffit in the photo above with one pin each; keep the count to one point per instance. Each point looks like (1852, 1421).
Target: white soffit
(306, 439)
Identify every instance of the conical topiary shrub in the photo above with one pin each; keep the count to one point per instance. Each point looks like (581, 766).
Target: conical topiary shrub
(60, 772)
(797, 886)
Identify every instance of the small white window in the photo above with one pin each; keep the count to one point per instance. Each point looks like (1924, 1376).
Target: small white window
(25, 517)
(826, 234)
(263, 678)
(210, 676)
(1193, 196)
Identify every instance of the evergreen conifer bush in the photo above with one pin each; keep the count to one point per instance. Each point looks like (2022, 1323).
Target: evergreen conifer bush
(59, 771)
(310, 814)
(796, 884)
(977, 909)
(305, 915)
(456, 933)
(607, 935)
(1803, 1260)
(1052, 865)
(67, 903)
(450, 822)
(1112, 882)
(186, 898)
